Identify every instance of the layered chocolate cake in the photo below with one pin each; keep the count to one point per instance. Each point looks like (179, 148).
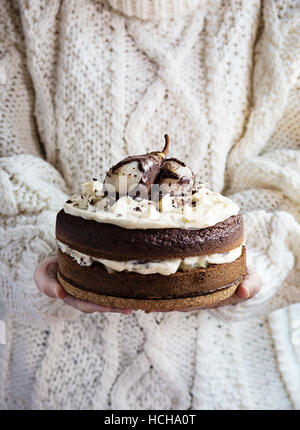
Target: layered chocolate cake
(150, 237)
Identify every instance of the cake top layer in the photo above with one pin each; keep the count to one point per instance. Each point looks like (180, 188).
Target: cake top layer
(151, 191)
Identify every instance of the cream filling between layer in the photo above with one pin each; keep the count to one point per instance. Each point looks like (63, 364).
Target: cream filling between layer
(163, 267)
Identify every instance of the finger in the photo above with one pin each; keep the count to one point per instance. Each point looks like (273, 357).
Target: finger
(250, 286)
(45, 278)
(87, 307)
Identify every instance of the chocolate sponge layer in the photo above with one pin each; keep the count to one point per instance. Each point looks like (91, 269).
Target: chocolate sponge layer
(96, 279)
(115, 243)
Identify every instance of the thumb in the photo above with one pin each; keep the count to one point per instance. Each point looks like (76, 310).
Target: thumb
(46, 280)
(250, 285)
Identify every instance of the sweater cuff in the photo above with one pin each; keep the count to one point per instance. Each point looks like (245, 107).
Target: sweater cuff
(154, 9)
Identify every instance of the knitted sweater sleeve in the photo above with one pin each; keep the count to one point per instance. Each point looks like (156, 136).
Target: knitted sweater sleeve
(263, 171)
(31, 190)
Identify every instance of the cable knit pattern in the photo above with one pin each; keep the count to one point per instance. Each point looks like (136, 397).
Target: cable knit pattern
(28, 211)
(91, 81)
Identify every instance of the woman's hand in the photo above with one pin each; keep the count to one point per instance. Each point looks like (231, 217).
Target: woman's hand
(248, 288)
(46, 281)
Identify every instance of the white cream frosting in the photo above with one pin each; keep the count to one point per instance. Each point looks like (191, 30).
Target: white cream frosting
(163, 267)
(208, 209)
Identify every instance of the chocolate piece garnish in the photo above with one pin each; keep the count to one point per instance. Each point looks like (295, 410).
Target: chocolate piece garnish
(140, 171)
(175, 176)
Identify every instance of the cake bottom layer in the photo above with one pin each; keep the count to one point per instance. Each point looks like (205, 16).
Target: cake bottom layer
(96, 279)
(162, 305)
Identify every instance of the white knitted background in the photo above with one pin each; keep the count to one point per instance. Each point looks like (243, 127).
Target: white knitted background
(89, 82)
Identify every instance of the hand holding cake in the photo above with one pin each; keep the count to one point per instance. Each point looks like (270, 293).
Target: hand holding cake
(123, 245)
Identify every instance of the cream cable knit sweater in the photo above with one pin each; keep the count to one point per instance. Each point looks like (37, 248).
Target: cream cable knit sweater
(90, 81)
